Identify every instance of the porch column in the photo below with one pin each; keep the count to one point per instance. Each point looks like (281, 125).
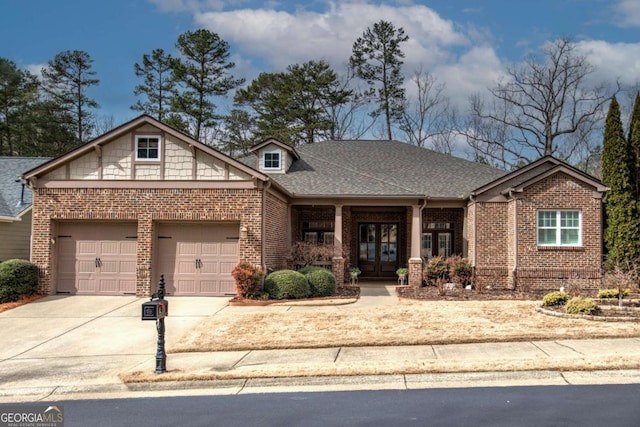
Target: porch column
(337, 262)
(415, 261)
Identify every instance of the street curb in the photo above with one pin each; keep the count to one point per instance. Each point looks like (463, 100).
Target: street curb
(335, 383)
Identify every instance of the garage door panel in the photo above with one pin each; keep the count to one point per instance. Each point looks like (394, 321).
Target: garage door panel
(87, 266)
(87, 286)
(97, 258)
(193, 254)
(227, 268)
(187, 248)
(229, 249)
(185, 287)
(210, 249)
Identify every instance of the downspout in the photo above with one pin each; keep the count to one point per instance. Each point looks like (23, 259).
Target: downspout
(264, 222)
(514, 277)
(475, 230)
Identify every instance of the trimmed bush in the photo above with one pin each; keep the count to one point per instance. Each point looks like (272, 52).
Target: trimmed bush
(309, 268)
(612, 293)
(18, 278)
(287, 284)
(580, 305)
(460, 269)
(437, 269)
(321, 282)
(555, 298)
(248, 280)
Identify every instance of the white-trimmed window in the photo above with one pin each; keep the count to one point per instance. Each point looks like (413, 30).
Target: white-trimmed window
(271, 160)
(559, 228)
(148, 147)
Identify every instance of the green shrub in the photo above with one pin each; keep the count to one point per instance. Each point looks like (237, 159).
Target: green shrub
(580, 305)
(437, 269)
(555, 298)
(287, 284)
(18, 278)
(321, 282)
(248, 280)
(309, 268)
(612, 293)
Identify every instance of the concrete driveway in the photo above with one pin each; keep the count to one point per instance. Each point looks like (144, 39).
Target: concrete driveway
(72, 340)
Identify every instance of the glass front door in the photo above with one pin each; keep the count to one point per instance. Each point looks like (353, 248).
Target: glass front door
(378, 249)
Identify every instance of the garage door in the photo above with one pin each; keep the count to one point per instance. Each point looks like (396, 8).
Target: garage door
(96, 258)
(197, 259)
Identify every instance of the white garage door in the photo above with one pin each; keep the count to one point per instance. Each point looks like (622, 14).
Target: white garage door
(197, 259)
(96, 258)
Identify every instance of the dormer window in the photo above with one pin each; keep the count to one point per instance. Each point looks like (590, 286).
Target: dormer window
(148, 147)
(272, 161)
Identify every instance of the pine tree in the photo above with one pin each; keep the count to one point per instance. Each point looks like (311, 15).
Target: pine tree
(158, 85)
(622, 233)
(201, 72)
(66, 79)
(377, 59)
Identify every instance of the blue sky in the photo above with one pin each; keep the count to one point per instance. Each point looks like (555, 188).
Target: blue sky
(465, 44)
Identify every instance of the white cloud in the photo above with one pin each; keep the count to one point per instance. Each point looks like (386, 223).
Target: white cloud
(628, 13)
(281, 38)
(613, 61)
(35, 69)
(473, 72)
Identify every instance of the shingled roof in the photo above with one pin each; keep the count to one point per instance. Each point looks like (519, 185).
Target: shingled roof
(381, 169)
(12, 199)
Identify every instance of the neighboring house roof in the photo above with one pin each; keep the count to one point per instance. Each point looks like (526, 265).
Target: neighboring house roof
(130, 126)
(13, 201)
(542, 168)
(366, 168)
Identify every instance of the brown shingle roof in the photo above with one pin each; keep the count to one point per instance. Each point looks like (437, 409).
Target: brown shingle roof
(381, 168)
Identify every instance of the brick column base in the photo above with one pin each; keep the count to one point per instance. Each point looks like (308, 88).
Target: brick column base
(337, 268)
(415, 272)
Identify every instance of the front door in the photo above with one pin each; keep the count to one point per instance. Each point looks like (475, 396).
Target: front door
(378, 249)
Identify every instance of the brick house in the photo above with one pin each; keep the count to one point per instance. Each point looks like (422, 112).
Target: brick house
(144, 199)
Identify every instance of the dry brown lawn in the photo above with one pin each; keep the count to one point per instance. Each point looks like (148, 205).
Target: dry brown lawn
(408, 323)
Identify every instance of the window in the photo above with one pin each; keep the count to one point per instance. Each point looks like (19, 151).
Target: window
(147, 147)
(559, 228)
(272, 160)
(318, 232)
(437, 239)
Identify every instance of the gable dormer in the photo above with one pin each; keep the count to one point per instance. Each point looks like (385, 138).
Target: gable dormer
(273, 156)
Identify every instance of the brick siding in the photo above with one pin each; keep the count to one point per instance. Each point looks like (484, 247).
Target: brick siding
(538, 268)
(146, 207)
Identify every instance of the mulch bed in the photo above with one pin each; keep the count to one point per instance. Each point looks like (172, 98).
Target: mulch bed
(431, 293)
(342, 292)
(22, 301)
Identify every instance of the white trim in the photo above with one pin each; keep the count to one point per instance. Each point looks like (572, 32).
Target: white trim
(264, 160)
(558, 228)
(135, 148)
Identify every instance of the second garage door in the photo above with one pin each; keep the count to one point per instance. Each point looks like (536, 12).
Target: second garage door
(197, 259)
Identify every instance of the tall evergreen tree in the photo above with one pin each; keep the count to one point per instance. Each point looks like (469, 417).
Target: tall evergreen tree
(634, 145)
(295, 106)
(377, 59)
(202, 72)
(18, 92)
(66, 79)
(622, 233)
(158, 85)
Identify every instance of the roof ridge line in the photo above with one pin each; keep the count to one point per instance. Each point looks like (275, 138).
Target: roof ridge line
(359, 173)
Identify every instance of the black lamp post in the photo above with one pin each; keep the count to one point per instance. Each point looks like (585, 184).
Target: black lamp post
(157, 310)
(161, 355)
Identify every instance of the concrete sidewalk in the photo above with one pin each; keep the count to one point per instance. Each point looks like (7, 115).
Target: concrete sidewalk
(66, 347)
